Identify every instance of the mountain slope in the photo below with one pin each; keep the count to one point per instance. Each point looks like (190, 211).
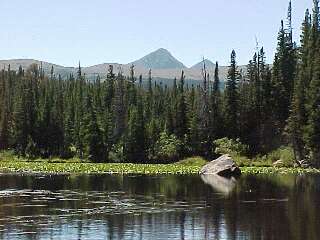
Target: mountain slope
(199, 65)
(160, 59)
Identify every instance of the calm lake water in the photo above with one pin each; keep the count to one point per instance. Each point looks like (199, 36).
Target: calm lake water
(160, 207)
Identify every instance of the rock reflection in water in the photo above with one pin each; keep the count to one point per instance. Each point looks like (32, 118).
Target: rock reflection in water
(220, 184)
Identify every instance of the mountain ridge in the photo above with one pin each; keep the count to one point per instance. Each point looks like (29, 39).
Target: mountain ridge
(161, 62)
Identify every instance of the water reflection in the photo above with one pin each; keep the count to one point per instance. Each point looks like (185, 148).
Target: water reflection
(220, 184)
(162, 207)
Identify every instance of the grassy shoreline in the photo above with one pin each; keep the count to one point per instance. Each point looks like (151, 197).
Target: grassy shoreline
(10, 163)
(128, 168)
(94, 168)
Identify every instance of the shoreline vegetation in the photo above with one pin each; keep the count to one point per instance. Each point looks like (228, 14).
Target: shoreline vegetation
(190, 166)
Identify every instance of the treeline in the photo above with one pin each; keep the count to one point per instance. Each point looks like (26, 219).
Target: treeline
(121, 119)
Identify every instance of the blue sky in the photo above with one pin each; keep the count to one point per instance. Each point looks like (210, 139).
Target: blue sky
(97, 31)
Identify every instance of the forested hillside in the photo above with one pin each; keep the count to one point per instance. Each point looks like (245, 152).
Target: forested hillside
(121, 119)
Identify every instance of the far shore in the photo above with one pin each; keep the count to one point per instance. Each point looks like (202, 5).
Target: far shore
(190, 166)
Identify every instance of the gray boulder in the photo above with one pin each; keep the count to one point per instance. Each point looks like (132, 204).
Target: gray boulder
(223, 166)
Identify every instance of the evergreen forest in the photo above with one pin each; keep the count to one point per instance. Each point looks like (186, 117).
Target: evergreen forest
(138, 120)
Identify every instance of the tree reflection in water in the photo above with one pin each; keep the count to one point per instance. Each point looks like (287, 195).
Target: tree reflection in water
(159, 207)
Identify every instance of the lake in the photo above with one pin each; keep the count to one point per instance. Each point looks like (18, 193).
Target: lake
(159, 207)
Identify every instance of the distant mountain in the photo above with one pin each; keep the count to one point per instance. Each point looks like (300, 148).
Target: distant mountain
(199, 65)
(160, 59)
(25, 64)
(164, 67)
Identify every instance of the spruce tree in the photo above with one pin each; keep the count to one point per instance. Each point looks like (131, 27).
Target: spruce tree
(119, 108)
(4, 131)
(283, 77)
(110, 81)
(132, 92)
(216, 106)
(313, 107)
(298, 116)
(204, 125)
(181, 115)
(94, 144)
(134, 142)
(231, 101)
(4, 121)
(20, 138)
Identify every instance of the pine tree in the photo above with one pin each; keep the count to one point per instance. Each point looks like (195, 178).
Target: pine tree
(108, 133)
(119, 108)
(4, 124)
(93, 137)
(204, 124)
(150, 82)
(313, 107)
(216, 106)
(20, 125)
(181, 117)
(283, 76)
(46, 124)
(97, 93)
(231, 104)
(169, 122)
(296, 121)
(135, 146)
(4, 133)
(298, 117)
(140, 81)
(110, 81)
(68, 131)
(149, 97)
(152, 133)
(132, 93)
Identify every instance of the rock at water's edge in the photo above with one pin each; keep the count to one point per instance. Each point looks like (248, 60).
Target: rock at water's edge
(223, 166)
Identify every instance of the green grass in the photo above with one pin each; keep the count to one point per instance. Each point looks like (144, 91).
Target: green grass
(127, 168)
(278, 170)
(193, 161)
(190, 166)
(91, 168)
(11, 163)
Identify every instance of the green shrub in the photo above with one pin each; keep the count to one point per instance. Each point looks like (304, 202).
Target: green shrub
(284, 154)
(8, 155)
(116, 153)
(230, 146)
(167, 148)
(242, 161)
